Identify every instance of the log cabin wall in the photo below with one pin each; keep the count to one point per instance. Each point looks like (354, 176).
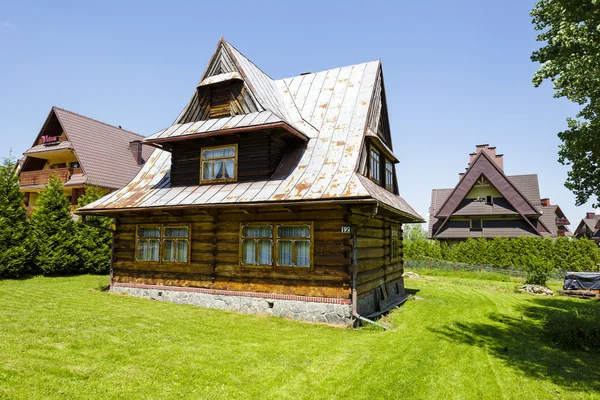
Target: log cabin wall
(259, 154)
(215, 252)
(380, 268)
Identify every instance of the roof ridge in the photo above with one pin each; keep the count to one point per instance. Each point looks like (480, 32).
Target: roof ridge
(331, 69)
(96, 120)
(249, 60)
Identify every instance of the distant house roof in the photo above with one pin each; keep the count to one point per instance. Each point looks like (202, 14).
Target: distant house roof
(332, 109)
(520, 197)
(590, 223)
(101, 149)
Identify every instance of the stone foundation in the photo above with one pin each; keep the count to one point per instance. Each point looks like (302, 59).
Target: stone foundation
(311, 309)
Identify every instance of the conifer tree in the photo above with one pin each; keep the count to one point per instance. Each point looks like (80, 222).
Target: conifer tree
(53, 232)
(14, 255)
(94, 243)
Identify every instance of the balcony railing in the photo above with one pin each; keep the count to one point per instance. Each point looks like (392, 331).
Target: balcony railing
(562, 221)
(43, 177)
(48, 141)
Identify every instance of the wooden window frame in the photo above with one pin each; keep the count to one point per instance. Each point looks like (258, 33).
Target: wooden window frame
(372, 176)
(161, 239)
(389, 183)
(241, 255)
(395, 244)
(275, 245)
(235, 164)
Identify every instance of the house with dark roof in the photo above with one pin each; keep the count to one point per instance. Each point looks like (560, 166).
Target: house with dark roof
(81, 152)
(274, 196)
(487, 203)
(589, 227)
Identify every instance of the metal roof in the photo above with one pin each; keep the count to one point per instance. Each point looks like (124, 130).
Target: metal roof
(330, 108)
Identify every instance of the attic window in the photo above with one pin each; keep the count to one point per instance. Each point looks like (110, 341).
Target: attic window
(476, 225)
(374, 165)
(389, 176)
(489, 200)
(218, 164)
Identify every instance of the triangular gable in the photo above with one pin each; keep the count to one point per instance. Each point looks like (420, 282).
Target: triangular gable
(378, 120)
(483, 165)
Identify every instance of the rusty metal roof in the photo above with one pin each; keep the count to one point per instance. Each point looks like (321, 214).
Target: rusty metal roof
(330, 108)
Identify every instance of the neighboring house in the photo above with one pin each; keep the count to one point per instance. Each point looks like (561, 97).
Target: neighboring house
(486, 203)
(589, 227)
(269, 196)
(81, 152)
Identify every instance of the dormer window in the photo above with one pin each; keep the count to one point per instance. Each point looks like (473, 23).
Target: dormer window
(389, 176)
(374, 165)
(219, 164)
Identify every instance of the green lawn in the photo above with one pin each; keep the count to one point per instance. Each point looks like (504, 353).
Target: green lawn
(467, 339)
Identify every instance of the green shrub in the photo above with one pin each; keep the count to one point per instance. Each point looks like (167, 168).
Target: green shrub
(94, 244)
(15, 260)
(575, 329)
(54, 236)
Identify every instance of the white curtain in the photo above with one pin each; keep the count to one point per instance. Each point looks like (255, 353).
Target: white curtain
(147, 249)
(258, 231)
(285, 252)
(249, 252)
(302, 253)
(207, 170)
(264, 252)
(181, 231)
(294, 231)
(218, 166)
(229, 169)
(175, 250)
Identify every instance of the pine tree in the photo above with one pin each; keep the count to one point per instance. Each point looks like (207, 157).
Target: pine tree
(14, 255)
(53, 232)
(94, 243)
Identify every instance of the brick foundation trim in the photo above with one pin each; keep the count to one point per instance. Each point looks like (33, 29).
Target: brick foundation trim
(267, 296)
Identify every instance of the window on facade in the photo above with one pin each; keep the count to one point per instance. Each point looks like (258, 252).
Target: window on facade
(175, 244)
(170, 241)
(219, 164)
(287, 245)
(148, 243)
(293, 244)
(374, 165)
(257, 244)
(389, 176)
(489, 200)
(396, 245)
(476, 225)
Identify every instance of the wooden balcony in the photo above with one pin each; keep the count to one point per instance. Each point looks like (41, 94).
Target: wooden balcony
(562, 221)
(43, 177)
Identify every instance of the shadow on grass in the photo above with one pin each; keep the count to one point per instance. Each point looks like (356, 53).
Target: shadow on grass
(521, 343)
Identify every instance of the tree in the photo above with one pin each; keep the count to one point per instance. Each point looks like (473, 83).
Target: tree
(14, 254)
(94, 243)
(53, 231)
(570, 58)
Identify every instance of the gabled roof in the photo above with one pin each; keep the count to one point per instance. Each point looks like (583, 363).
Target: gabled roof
(484, 165)
(330, 108)
(590, 223)
(520, 197)
(101, 149)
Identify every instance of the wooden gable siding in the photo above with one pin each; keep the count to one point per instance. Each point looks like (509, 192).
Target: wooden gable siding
(375, 266)
(378, 119)
(215, 254)
(216, 101)
(259, 154)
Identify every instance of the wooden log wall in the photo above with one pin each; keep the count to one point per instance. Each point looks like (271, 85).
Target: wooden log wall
(259, 154)
(215, 253)
(375, 265)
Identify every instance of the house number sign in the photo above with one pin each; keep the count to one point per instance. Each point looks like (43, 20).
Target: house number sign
(345, 229)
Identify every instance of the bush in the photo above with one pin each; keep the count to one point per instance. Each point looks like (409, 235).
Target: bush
(94, 244)
(54, 236)
(14, 254)
(574, 330)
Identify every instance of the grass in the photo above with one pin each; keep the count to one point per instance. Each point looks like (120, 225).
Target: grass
(466, 339)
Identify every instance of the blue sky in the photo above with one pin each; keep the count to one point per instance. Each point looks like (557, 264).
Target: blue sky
(457, 73)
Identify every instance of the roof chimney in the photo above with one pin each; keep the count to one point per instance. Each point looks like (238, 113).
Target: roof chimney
(545, 202)
(590, 215)
(135, 146)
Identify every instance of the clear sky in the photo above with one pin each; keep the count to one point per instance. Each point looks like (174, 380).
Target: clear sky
(457, 73)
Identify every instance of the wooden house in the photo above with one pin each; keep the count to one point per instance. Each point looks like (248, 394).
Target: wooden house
(82, 152)
(589, 227)
(268, 196)
(487, 203)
